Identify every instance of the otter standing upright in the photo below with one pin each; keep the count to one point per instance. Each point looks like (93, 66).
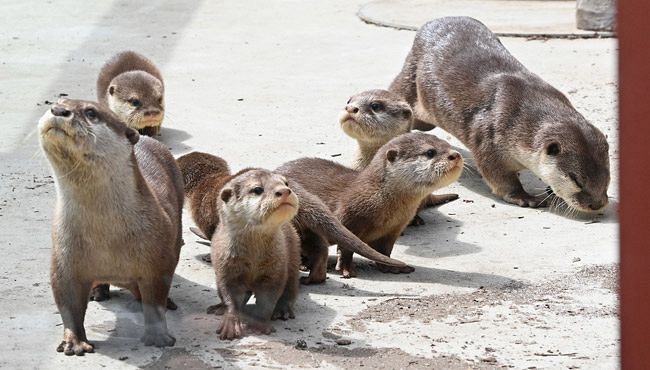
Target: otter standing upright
(117, 218)
(132, 87)
(460, 77)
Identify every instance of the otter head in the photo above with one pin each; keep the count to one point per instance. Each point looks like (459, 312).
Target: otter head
(376, 116)
(77, 134)
(419, 162)
(258, 198)
(574, 161)
(137, 98)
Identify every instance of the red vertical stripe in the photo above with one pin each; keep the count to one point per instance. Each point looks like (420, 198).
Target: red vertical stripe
(634, 118)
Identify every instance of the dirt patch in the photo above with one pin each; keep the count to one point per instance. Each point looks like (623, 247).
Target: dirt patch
(178, 358)
(554, 295)
(285, 354)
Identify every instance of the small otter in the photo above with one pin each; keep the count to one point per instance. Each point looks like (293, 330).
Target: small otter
(205, 176)
(378, 202)
(256, 251)
(132, 87)
(117, 218)
(374, 117)
(459, 77)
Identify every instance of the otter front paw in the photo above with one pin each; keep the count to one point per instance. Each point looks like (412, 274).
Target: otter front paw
(100, 293)
(73, 346)
(283, 312)
(162, 339)
(523, 199)
(230, 327)
(394, 269)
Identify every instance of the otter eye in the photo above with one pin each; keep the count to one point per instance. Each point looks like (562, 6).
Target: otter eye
(575, 179)
(376, 106)
(349, 100)
(160, 100)
(135, 102)
(431, 153)
(258, 190)
(90, 113)
(286, 183)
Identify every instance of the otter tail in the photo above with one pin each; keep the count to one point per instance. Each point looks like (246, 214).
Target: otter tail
(315, 215)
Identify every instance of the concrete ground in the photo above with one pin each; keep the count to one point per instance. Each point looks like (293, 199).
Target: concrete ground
(260, 83)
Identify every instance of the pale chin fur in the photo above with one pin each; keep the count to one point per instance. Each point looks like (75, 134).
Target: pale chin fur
(562, 185)
(127, 113)
(421, 172)
(251, 213)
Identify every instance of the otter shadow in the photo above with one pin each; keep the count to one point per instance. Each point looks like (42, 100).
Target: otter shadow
(195, 330)
(437, 238)
(422, 274)
(174, 139)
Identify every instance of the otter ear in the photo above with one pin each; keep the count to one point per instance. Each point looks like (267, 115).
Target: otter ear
(553, 148)
(391, 155)
(111, 90)
(132, 135)
(226, 194)
(407, 113)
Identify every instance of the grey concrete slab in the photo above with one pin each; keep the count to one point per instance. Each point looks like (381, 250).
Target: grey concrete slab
(514, 18)
(260, 83)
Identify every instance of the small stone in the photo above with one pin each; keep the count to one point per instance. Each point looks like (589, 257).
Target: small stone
(343, 342)
(123, 358)
(300, 344)
(490, 349)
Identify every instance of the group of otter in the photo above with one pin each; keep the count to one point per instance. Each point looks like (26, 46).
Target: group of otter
(120, 195)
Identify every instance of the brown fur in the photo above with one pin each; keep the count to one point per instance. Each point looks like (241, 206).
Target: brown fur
(206, 174)
(136, 82)
(117, 219)
(459, 76)
(377, 203)
(373, 118)
(256, 250)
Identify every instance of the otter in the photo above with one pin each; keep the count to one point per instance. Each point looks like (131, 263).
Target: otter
(377, 203)
(460, 77)
(205, 175)
(132, 87)
(256, 250)
(117, 218)
(374, 117)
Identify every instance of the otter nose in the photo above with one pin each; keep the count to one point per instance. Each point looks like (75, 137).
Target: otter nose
(283, 192)
(598, 205)
(151, 113)
(351, 108)
(60, 111)
(453, 156)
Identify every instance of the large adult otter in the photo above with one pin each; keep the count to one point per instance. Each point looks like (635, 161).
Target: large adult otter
(460, 77)
(132, 87)
(256, 250)
(205, 175)
(377, 203)
(117, 218)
